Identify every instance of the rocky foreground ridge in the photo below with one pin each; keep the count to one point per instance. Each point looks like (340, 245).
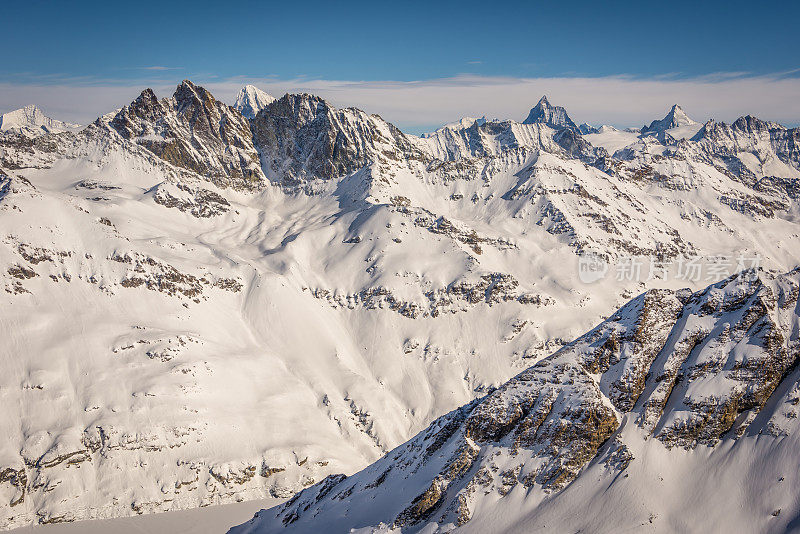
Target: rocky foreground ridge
(691, 371)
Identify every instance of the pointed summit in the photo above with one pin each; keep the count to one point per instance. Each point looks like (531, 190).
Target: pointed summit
(680, 116)
(187, 94)
(553, 116)
(251, 100)
(675, 118)
(31, 121)
(193, 131)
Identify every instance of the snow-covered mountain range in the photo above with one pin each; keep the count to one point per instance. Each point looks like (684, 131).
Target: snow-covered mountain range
(32, 122)
(211, 303)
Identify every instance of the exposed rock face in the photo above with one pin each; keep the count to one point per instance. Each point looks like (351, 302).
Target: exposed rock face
(301, 138)
(688, 369)
(731, 354)
(195, 200)
(194, 131)
(490, 289)
(554, 116)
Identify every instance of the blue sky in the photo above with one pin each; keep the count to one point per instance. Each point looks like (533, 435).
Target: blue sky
(399, 40)
(121, 44)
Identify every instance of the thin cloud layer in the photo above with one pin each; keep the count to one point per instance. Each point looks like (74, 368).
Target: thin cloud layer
(419, 106)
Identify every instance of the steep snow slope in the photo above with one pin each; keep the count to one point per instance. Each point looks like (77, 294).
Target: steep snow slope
(32, 122)
(206, 308)
(678, 413)
(251, 100)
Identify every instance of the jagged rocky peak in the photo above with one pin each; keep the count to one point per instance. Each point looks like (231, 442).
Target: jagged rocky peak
(188, 93)
(32, 122)
(553, 116)
(194, 131)
(146, 107)
(675, 118)
(302, 138)
(301, 109)
(708, 129)
(749, 123)
(548, 129)
(251, 100)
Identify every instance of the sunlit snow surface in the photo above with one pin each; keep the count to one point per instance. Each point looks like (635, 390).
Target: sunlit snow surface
(156, 360)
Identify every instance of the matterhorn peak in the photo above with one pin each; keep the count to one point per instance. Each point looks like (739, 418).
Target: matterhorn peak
(251, 100)
(679, 116)
(546, 113)
(675, 118)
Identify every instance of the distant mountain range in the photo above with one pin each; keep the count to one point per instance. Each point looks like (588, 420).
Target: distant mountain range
(31, 121)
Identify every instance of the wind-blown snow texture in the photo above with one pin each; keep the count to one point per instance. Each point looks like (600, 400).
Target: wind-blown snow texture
(202, 307)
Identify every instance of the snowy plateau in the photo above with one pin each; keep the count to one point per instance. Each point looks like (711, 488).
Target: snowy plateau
(280, 300)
